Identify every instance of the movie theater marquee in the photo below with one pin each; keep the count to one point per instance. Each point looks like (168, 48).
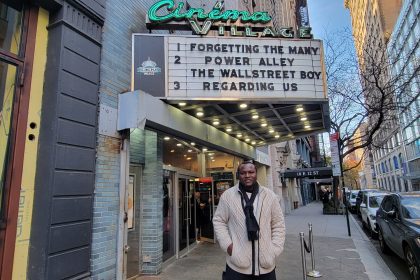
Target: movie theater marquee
(190, 67)
(254, 68)
(258, 62)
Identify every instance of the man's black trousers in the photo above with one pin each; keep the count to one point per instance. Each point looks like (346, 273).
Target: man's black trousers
(231, 274)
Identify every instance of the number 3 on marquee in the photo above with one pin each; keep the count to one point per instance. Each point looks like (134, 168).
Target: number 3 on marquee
(176, 86)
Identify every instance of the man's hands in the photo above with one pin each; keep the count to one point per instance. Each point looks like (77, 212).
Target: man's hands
(229, 249)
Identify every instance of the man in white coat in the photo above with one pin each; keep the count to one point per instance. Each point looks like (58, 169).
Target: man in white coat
(249, 227)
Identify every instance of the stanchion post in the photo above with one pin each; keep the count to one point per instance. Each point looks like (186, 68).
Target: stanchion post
(313, 273)
(302, 251)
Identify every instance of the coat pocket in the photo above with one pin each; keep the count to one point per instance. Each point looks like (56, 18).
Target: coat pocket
(240, 259)
(267, 256)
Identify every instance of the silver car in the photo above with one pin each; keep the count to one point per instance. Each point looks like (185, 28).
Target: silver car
(370, 204)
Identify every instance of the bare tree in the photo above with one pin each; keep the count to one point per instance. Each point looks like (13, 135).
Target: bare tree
(361, 90)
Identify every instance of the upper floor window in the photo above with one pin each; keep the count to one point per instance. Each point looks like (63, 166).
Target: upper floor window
(11, 21)
(396, 162)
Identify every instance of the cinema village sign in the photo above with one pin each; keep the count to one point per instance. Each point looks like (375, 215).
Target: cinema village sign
(165, 11)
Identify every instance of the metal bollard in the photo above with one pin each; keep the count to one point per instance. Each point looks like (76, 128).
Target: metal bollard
(302, 251)
(313, 273)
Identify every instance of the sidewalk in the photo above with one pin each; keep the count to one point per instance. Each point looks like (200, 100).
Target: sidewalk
(337, 255)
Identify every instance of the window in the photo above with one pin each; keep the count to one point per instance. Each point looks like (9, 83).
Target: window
(387, 203)
(11, 59)
(11, 20)
(395, 159)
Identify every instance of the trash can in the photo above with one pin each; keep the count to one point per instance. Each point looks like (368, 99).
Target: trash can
(295, 204)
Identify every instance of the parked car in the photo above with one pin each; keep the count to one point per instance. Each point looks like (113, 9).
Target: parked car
(398, 220)
(351, 200)
(359, 198)
(368, 207)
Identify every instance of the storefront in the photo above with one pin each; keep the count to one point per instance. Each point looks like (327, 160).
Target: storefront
(193, 164)
(310, 181)
(188, 179)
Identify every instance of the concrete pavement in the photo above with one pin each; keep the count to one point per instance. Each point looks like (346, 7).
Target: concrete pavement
(337, 255)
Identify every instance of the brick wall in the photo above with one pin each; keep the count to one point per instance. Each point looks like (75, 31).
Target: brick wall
(106, 208)
(152, 194)
(137, 146)
(122, 18)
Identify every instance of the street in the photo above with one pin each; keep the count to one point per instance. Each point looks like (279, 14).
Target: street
(395, 264)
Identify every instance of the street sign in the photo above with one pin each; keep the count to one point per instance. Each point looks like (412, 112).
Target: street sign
(335, 154)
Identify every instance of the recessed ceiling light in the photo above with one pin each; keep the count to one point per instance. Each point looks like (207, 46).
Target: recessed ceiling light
(211, 154)
(253, 142)
(185, 155)
(166, 138)
(188, 158)
(243, 106)
(247, 140)
(199, 114)
(190, 151)
(277, 136)
(303, 119)
(182, 104)
(216, 122)
(255, 116)
(213, 160)
(179, 144)
(204, 149)
(211, 157)
(271, 130)
(264, 124)
(299, 109)
(261, 142)
(192, 144)
(307, 126)
(229, 129)
(239, 135)
(172, 151)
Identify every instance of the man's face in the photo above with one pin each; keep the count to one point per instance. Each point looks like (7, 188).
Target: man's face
(247, 174)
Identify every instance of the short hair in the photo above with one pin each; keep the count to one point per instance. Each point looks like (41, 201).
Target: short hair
(247, 161)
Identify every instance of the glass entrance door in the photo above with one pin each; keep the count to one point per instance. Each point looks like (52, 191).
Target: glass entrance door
(206, 211)
(186, 212)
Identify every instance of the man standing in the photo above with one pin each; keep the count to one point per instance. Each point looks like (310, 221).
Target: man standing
(249, 227)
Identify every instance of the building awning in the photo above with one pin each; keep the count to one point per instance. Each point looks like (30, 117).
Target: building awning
(260, 121)
(319, 181)
(317, 172)
(141, 110)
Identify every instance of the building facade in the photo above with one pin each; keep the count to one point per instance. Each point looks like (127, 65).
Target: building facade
(292, 155)
(372, 25)
(102, 182)
(404, 53)
(50, 56)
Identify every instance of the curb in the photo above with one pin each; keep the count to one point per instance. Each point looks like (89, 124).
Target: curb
(375, 266)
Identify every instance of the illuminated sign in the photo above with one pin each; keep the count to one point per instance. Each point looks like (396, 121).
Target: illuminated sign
(166, 11)
(228, 67)
(216, 14)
